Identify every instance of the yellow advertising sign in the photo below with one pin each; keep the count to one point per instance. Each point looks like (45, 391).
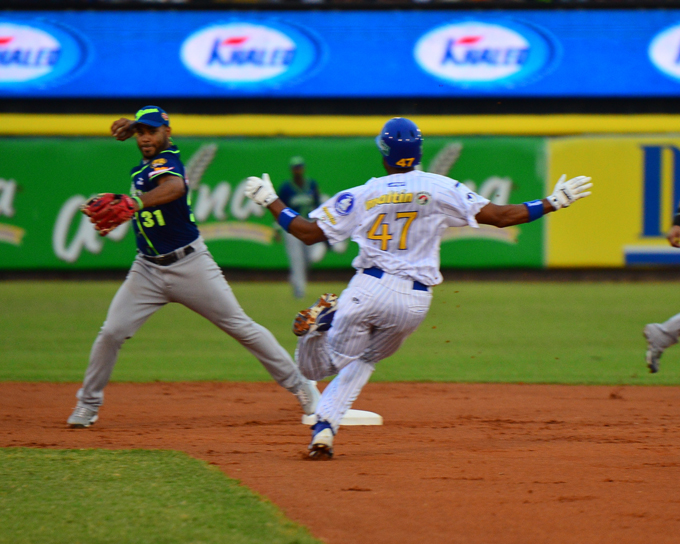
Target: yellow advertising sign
(636, 193)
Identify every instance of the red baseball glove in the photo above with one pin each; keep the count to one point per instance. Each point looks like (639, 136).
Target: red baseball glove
(108, 210)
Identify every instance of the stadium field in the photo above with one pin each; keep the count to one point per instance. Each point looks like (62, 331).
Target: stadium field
(518, 412)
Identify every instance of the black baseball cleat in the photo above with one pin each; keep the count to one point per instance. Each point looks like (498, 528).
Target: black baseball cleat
(317, 317)
(321, 447)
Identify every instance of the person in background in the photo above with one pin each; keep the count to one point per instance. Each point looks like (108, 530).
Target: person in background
(302, 195)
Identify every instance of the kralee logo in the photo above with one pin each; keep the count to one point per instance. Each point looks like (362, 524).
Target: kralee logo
(482, 54)
(37, 53)
(248, 54)
(664, 51)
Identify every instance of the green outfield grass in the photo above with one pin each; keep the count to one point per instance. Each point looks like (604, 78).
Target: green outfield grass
(144, 497)
(549, 332)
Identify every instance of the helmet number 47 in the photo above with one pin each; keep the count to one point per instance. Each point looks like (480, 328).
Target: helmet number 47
(381, 231)
(405, 163)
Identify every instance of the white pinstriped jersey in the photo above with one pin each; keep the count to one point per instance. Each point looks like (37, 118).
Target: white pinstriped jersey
(398, 220)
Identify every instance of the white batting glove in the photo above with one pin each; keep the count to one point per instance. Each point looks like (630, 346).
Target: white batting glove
(569, 191)
(260, 190)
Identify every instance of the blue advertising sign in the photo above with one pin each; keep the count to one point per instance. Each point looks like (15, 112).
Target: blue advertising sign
(486, 54)
(35, 54)
(324, 54)
(242, 55)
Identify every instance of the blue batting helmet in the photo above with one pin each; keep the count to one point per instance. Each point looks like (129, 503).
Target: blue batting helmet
(400, 142)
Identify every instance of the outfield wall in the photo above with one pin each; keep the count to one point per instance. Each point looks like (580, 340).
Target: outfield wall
(43, 180)
(637, 190)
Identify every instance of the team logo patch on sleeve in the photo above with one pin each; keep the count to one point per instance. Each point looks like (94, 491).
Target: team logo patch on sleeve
(423, 198)
(160, 170)
(158, 162)
(344, 203)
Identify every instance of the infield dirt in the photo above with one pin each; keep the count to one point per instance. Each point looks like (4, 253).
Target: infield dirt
(454, 463)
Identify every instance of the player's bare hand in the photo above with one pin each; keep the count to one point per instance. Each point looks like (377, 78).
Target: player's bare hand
(121, 130)
(674, 236)
(568, 191)
(260, 190)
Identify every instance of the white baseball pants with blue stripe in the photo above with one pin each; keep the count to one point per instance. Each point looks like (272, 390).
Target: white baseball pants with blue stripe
(373, 318)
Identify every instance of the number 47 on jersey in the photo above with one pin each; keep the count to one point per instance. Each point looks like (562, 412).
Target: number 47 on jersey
(380, 230)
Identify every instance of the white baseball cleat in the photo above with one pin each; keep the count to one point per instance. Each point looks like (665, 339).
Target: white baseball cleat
(83, 417)
(321, 447)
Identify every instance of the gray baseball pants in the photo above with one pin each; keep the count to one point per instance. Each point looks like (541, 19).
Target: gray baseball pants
(373, 318)
(196, 282)
(671, 330)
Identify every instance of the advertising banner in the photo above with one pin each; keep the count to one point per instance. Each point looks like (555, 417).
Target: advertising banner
(331, 54)
(44, 181)
(636, 194)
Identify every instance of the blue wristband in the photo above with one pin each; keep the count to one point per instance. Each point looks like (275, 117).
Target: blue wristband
(535, 208)
(286, 218)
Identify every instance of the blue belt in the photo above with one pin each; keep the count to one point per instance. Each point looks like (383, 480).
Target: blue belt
(378, 273)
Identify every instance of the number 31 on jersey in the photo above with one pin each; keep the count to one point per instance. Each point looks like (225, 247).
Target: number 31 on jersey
(150, 219)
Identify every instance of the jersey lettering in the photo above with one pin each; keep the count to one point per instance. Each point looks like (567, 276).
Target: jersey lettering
(410, 217)
(405, 163)
(380, 230)
(384, 236)
(149, 221)
(159, 218)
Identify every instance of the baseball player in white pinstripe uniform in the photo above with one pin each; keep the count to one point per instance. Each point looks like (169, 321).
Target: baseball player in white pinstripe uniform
(397, 220)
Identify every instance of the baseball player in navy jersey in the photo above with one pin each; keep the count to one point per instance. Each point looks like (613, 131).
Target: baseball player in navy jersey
(300, 194)
(397, 220)
(172, 265)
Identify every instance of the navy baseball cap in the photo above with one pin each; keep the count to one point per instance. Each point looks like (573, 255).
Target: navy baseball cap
(152, 116)
(297, 161)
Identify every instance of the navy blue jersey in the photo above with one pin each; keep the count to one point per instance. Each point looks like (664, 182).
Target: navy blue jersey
(165, 228)
(301, 199)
